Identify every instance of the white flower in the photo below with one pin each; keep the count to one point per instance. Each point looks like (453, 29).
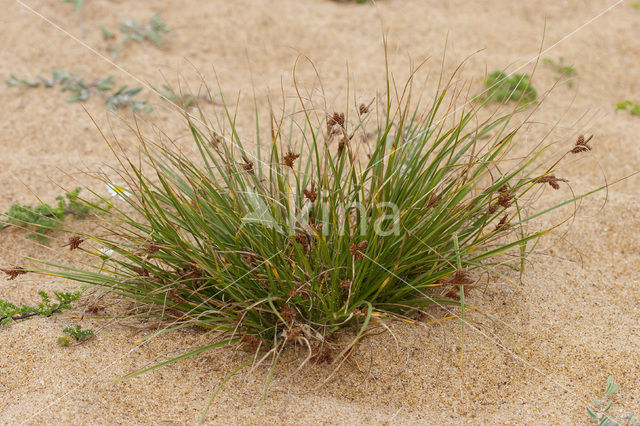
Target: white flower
(105, 253)
(118, 191)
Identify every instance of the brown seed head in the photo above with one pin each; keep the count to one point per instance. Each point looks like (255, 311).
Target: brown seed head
(302, 239)
(216, 140)
(247, 165)
(552, 180)
(337, 119)
(290, 158)
(357, 249)
(345, 284)
(505, 200)
(14, 272)
(363, 109)
(503, 225)
(342, 144)
(288, 314)
(582, 145)
(311, 194)
(74, 242)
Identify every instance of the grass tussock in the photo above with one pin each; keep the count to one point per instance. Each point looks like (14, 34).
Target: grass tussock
(377, 211)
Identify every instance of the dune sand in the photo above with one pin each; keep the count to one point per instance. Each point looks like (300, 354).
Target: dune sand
(570, 323)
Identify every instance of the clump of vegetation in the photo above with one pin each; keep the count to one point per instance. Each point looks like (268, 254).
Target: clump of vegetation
(77, 333)
(10, 312)
(133, 31)
(599, 411)
(633, 108)
(44, 217)
(501, 87)
(350, 217)
(564, 71)
(72, 82)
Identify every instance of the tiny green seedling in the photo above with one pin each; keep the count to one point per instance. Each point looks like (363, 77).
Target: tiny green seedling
(184, 100)
(133, 31)
(73, 82)
(106, 34)
(563, 71)
(10, 312)
(599, 411)
(633, 108)
(77, 4)
(77, 333)
(44, 217)
(503, 88)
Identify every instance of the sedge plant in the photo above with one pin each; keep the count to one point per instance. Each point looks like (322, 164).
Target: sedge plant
(344, 219)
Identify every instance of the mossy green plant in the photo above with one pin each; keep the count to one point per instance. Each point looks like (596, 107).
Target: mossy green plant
(633, 108)
(501, 87)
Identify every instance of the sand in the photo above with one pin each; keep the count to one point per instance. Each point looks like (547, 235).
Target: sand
(571, 322)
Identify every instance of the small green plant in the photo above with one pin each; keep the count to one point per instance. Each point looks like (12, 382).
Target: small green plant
(133, 31)
(502, 88)
(72, 82)
(77, 4)
(564, 71)
(599, 411)
(77, 333)
(10, 312)
(106, 34)
(183, 100)
(635, 5)
(44, 217)
(633, 108)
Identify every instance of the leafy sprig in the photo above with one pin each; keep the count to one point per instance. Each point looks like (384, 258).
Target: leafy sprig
(133, 31)
(81, 90)
(600, 409)
(564, 71)
(44, 217)
(10, 312)
(77, 333)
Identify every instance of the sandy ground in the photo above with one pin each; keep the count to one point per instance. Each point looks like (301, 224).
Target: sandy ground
(572, 322)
